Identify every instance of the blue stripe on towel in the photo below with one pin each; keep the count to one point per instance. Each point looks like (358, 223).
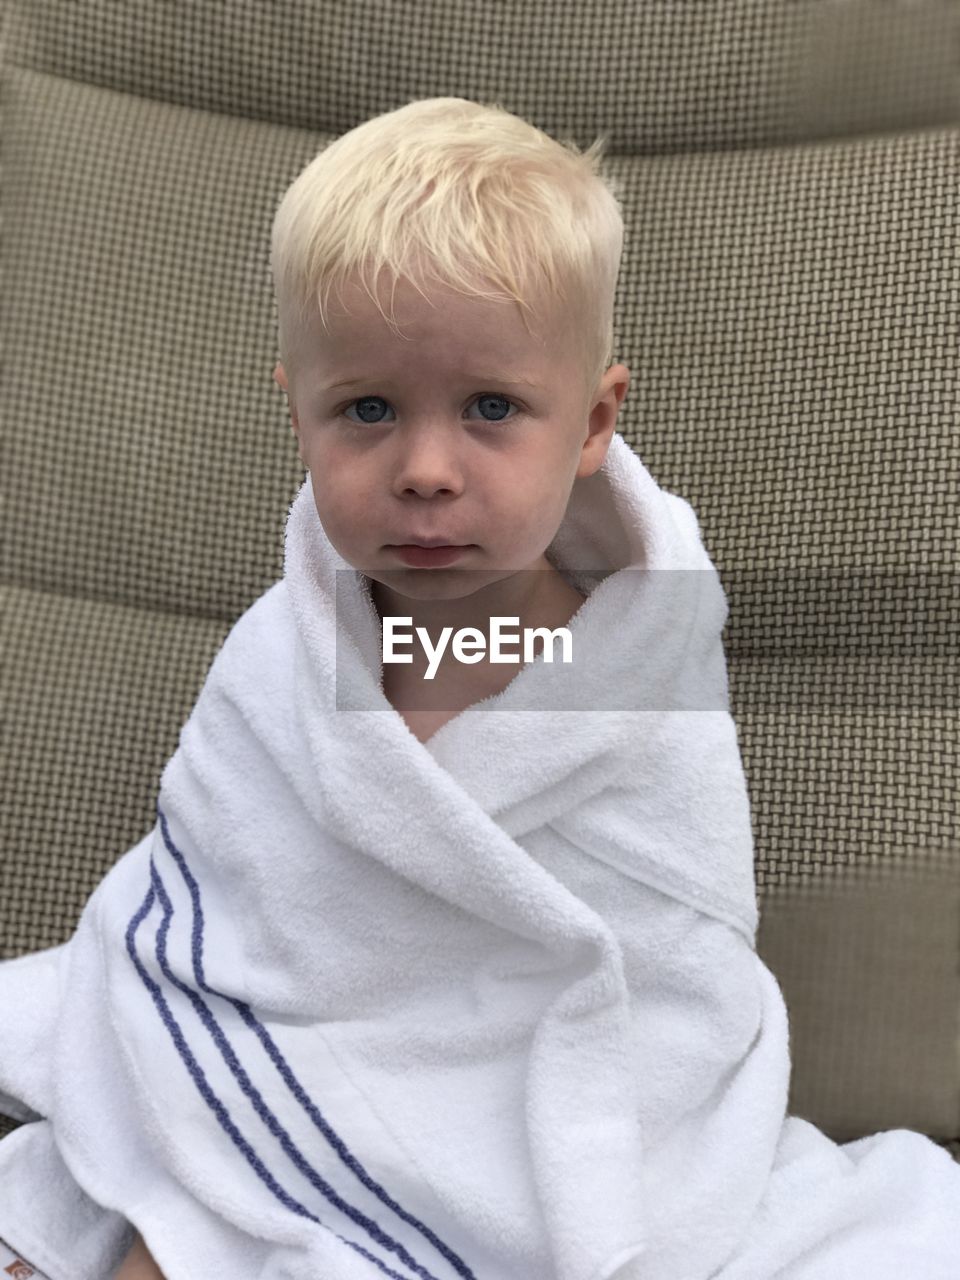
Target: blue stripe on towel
(296, 1088)
(196, 1071)
(157, 890)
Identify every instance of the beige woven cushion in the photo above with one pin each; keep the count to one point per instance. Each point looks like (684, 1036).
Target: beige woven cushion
(787, 306)
(869, 965)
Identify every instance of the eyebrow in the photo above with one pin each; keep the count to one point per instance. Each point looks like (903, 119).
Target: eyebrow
(471, 377)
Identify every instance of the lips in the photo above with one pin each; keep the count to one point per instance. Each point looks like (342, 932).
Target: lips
(427, 542)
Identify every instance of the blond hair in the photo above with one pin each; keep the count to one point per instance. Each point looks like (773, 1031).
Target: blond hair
(466, 189)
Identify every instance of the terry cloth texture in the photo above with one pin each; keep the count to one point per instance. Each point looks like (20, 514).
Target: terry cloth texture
(486, 1006)
(12, 1264)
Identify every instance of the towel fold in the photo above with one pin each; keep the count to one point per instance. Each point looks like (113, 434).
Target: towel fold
(487, 1006)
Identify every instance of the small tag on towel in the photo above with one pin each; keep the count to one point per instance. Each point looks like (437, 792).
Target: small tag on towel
(11, 1264)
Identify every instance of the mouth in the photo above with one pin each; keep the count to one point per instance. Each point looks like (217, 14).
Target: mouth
(423, 557)
(428, 542)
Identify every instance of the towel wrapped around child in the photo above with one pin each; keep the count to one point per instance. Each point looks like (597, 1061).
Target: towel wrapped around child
(485, 1007)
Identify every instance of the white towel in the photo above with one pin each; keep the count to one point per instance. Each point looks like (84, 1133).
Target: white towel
(12, 1264)
(485, 1007)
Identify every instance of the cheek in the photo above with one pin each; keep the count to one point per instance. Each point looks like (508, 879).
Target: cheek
(341, 529)
(532, 515)
(547, 506)
(342, 504)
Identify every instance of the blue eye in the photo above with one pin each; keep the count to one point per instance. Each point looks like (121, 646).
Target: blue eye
(365, 402)
(488, 396)
(368, 407)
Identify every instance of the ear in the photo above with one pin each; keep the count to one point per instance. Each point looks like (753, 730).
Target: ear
(603, 419)
(280, 378)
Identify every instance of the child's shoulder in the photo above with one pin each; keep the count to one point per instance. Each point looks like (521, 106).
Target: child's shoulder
(683, 513)
(260, 634)
(267, 612)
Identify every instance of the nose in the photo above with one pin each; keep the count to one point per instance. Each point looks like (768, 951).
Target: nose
(428, 462)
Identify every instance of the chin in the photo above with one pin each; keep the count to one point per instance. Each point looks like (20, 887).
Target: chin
(451, 583)
(433, 584)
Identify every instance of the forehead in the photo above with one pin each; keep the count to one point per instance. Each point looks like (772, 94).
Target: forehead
(446, 328)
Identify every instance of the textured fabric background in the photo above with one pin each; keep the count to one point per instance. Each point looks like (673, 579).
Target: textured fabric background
(787, 306)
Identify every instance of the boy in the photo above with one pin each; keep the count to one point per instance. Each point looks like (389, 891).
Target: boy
(494, 426)
(420, 984)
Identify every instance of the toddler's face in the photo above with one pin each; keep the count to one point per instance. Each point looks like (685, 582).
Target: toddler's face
(465, 429)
